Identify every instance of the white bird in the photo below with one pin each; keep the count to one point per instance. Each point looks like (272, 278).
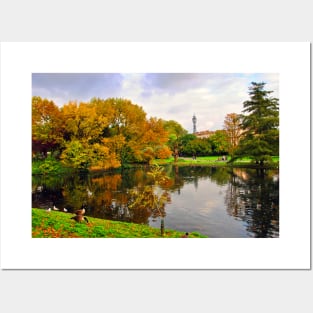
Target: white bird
(55, 208)
(89, 193)
(48, 210)
(65, 210)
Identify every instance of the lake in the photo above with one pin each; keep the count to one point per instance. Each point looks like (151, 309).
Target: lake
(217, 202)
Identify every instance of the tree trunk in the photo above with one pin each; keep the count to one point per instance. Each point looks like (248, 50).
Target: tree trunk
(162, 227)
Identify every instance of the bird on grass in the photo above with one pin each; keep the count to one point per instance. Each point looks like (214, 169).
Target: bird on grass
(55, 208)
(80, 218)
(48, 210)
(81, 211)
(186, 235)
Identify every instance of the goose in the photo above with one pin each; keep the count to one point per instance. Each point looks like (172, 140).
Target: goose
(80, 218)
(48, 210)
(55, 208)
(81, 211)
(185, 236)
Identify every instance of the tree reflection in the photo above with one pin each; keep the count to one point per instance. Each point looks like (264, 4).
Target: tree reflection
(254, 198)
(134, 195)
(219, 175)
(152, 198)
(141, 194)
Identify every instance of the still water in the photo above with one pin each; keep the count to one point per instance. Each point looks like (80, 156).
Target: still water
(217, 202)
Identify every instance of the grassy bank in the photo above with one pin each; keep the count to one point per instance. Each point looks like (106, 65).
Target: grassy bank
(49, 166)
(53, 166)
(214, 161)
(60, 225)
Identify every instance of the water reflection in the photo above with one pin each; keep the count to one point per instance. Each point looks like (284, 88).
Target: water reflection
(218, 202)
(253, 197)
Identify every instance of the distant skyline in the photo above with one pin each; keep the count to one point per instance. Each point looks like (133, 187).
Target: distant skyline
(170, 96)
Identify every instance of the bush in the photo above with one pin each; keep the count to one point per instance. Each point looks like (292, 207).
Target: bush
(47, 166)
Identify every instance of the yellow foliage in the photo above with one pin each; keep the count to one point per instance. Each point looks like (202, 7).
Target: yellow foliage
(99, 134)
(163, 152)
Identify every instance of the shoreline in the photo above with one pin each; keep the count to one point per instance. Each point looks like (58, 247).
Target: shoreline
(212, 162)
(56, 224)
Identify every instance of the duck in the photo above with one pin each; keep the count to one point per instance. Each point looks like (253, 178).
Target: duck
(80, 218)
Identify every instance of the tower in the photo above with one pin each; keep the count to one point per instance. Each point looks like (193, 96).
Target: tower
(194, 121)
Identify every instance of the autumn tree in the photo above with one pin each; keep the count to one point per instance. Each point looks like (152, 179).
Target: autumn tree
(232, 127)
(126, 127)
(83, 130)
(82, 122)
(154, 140)
(260, 122)
(98, 134)
(46, 126)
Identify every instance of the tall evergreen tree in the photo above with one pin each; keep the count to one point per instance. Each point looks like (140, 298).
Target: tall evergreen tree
(260, 124)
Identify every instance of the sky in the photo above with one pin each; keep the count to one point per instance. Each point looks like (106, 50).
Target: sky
(170, 96)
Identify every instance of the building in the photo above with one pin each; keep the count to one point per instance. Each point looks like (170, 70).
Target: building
(204, 134)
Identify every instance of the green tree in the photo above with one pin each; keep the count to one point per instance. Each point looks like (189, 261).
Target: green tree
(75, 155)
(260, 122)
(175, 133)
(184, 145)
(197, 147)
(219, 142)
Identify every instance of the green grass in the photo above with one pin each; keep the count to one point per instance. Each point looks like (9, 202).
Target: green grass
(212, 161)
(60, 225)
(49, 166)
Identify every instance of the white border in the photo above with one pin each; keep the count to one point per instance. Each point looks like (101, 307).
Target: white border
(290, 251)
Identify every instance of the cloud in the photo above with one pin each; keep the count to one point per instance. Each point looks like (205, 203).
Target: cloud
(170, 96)
(172, 83)
(76, 86)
